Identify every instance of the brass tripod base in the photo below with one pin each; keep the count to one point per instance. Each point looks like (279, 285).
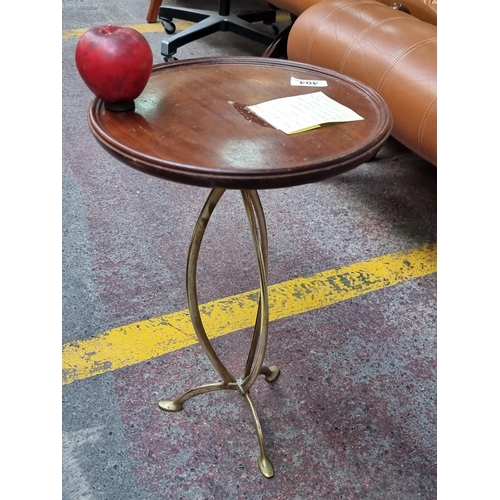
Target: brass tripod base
(254, 363)
(270, 373)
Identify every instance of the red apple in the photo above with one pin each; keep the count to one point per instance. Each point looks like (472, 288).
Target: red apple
(115, 62)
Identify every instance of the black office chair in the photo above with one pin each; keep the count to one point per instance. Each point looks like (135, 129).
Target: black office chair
(208, 22)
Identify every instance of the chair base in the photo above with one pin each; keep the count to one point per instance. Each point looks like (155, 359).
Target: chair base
(208, 22)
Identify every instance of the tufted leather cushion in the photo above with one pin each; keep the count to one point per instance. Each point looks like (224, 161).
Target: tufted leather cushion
(392, 52)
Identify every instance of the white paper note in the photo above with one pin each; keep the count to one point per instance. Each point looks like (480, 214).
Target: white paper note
(303, 112)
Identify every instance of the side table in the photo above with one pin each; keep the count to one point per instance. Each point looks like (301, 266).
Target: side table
(191, 125)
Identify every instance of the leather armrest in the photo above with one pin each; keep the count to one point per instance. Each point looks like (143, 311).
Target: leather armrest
(390, 51)
(425, 10)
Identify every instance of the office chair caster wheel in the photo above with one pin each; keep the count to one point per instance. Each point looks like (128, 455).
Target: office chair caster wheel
(168, 26)
(275, 29)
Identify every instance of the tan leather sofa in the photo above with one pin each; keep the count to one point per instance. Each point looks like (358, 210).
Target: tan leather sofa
(390, 50)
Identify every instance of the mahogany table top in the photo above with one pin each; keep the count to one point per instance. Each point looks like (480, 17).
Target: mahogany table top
(190, 125)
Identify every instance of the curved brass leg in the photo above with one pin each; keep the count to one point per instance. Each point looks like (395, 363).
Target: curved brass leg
(255, 215)
(265, 465)
(192, 297)
(254, 364)
(176, 404)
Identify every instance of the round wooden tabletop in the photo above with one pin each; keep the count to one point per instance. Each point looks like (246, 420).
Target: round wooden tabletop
(191, 125)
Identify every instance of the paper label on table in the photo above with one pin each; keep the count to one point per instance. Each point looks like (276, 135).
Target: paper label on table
(297, 82)
(303, 112)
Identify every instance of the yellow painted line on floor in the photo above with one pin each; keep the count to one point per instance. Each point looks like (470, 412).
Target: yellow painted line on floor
(141, 28)
(138, 342)
(154, 27)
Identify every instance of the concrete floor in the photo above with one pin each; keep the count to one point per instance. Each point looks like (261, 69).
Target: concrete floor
(353, 413)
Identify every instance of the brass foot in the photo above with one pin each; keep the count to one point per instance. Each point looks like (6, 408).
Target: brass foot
(170, 405)
(271, 373)
(266, 466)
